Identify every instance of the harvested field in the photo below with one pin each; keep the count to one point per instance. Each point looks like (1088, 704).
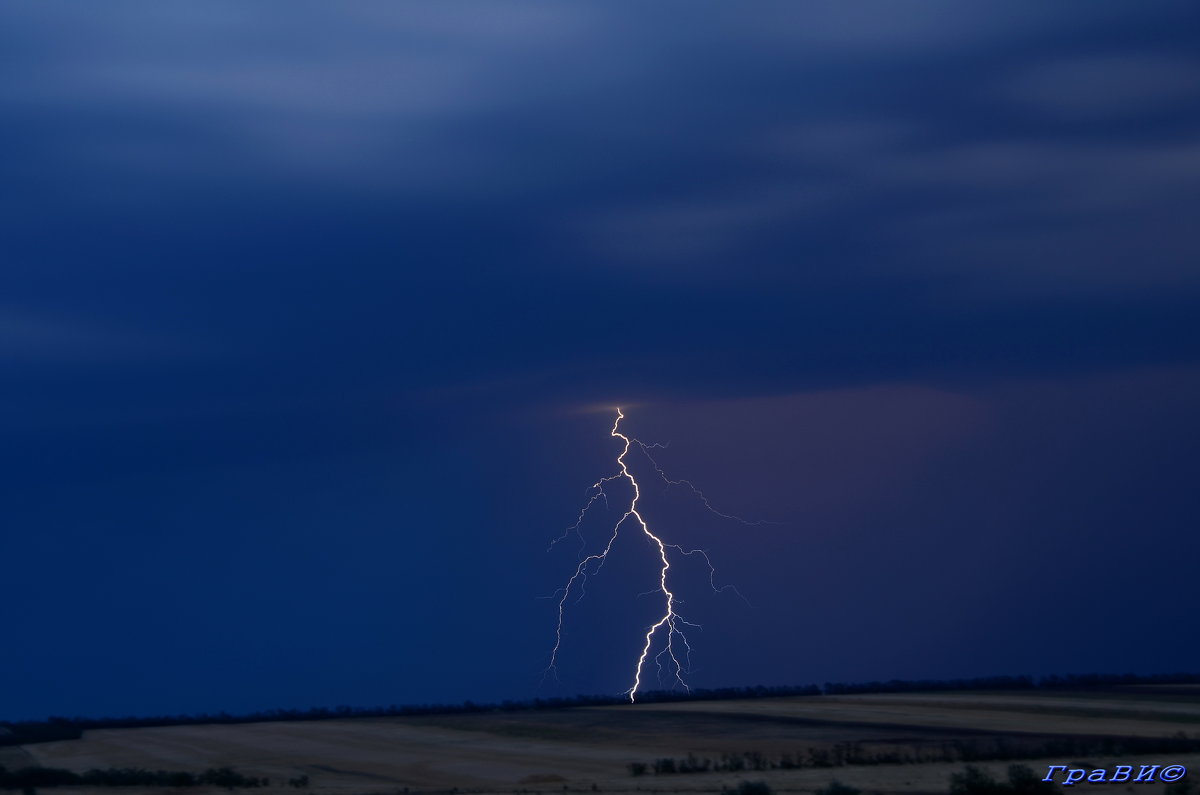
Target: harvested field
(592, 747)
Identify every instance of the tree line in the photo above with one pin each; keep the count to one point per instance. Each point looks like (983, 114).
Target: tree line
(30, 778)
(844, 754)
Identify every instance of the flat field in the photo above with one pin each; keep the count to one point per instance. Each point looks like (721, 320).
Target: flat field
(590, 748)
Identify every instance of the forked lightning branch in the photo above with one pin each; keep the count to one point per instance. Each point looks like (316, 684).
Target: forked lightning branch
(674, 654)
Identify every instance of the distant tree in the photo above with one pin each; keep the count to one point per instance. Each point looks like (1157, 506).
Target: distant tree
(976, 781)
(226, 777)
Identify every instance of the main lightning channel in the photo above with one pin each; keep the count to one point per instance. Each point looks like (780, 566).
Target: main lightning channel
(675, 658)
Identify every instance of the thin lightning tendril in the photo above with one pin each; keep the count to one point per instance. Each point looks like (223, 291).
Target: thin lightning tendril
(646, 448)
(675, 655)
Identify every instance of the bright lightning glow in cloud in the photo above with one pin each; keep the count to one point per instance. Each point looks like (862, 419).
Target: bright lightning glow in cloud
(675, 655)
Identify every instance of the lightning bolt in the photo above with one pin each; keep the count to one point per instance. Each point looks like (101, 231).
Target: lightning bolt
(675, 655)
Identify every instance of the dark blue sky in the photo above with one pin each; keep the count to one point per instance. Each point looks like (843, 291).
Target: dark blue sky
(311, 316)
